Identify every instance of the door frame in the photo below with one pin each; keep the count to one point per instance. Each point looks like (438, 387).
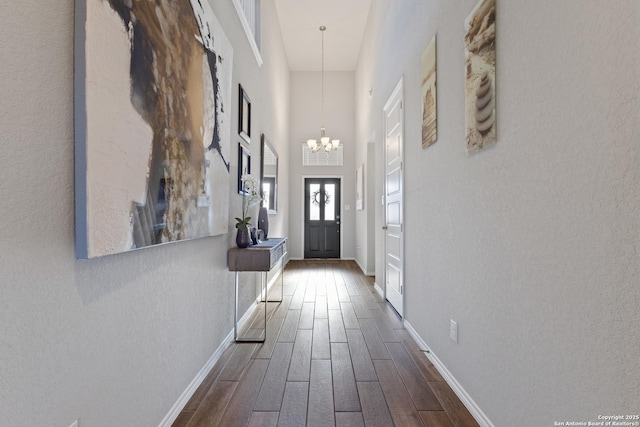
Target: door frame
(398, 91)
(341, 178)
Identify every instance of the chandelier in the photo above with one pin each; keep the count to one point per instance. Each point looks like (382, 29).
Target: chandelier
(326, 143)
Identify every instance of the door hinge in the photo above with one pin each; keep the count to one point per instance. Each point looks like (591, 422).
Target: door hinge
(401, 289)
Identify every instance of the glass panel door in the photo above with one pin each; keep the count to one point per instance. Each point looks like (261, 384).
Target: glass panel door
(322, 218)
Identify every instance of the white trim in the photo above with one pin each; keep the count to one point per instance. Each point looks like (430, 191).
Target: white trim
(378, 289)
(248, 32)
(186, 395)
(364, 271)
(466, 399)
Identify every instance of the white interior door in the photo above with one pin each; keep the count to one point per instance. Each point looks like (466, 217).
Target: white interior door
(394, 237)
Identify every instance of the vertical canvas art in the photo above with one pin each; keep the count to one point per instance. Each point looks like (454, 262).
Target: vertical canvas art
(153, 124)
(480, 64)
(360, 188)
(429, 113)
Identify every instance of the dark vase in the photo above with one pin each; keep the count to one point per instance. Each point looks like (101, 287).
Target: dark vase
(263, 221)
(242, 238)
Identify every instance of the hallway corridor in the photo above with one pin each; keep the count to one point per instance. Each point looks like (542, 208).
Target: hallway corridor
(335, 354)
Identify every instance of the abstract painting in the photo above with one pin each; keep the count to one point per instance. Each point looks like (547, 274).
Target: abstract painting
(480, 63)
(429, 113)
(153, 124)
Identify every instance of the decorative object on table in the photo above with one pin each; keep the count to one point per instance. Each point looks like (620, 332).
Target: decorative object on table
(480, 63)
(326, 143)
(250, 197)
(244, 116)
(244, 166)
(360, 188)
(152, 124)
(429, 110)
(263, 222)
(242, 238)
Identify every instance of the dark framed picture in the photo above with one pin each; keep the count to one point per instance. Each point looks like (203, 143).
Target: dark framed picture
(244, 116)
(244, 165)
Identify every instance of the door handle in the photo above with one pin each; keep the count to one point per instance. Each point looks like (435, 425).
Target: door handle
(384, 227)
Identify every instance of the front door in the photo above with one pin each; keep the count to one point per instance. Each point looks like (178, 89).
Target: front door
(322, 218)
(394, 237)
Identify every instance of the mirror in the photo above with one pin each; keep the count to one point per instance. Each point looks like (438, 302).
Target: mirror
(269, 176)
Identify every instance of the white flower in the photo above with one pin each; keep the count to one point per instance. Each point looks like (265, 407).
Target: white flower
(250, 196)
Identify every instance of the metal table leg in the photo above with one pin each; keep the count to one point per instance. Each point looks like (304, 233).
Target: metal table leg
(235, 314)
(281, 286)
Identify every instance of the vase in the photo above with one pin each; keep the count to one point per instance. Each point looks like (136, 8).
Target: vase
(242, 238)
(263, 221)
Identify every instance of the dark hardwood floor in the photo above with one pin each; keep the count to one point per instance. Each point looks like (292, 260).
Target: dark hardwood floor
(336, 354)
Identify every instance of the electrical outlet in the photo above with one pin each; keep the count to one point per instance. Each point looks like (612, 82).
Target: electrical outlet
(453, 330)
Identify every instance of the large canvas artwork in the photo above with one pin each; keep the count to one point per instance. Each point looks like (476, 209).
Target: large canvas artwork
(429, 112)
(480, 63)
(153, 124)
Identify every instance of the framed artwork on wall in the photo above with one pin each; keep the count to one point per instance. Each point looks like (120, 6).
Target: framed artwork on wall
(360, 188)
(429, 111)
(244, 116)
(244, 166)
(480, 82)
(152, 124)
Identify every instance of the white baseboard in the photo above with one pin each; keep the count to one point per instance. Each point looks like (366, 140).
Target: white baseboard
(186, 395)
(184, 398)
(364, 271)
(378, 289)
(468, 402)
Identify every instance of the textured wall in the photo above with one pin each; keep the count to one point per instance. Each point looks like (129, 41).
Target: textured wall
(532, 246)
(339, 111)
(115, 340)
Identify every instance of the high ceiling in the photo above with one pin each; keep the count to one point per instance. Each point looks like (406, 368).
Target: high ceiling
(300, 21)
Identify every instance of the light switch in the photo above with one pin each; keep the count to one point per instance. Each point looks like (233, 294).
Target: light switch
(347, 207)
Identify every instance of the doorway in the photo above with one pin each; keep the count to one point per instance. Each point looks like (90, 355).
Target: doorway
(322, 218)
(393, 199)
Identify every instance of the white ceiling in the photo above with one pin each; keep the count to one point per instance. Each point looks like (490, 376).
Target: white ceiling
(300, 22)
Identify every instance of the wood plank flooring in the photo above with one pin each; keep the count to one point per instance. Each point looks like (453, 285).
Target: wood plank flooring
(336, 354)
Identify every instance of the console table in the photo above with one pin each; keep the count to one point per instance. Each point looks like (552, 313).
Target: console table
(257, 258)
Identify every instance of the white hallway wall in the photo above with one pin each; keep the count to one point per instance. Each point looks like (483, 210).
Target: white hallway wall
(114, 340)
(531, 246)
(339, 113)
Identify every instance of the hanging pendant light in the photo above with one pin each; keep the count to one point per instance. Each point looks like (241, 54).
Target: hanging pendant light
(326, 143)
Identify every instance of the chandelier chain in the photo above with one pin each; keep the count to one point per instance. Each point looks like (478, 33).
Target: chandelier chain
(325, 142)
(322, 29)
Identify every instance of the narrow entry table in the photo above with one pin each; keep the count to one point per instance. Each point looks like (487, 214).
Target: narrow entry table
(258, 258)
